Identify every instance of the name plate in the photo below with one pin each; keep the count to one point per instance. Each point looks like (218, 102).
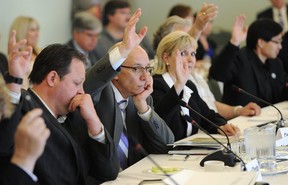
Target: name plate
(282, 142)
(254, 167)
(281, 133)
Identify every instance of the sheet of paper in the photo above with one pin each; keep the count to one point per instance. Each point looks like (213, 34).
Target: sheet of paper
(188, 177)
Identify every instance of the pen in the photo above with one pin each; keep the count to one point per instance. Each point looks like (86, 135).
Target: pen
(186, 157)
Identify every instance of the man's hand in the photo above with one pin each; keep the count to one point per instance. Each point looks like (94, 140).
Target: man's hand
(131, 39)
(140, 99)
(30, 139)
(85, 104)
(19, 58)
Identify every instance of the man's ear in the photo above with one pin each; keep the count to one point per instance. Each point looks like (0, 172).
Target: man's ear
(52, 78)
(260, 43)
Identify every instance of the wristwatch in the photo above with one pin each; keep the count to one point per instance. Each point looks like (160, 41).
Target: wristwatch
(12, 79)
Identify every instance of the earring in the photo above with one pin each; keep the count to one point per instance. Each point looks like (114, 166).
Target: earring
(167, 64)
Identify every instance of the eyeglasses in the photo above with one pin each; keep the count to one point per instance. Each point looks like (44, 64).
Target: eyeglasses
(276, 41)
(186, 53)
(139, 70)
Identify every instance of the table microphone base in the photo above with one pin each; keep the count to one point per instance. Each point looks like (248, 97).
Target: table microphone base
(220, 155)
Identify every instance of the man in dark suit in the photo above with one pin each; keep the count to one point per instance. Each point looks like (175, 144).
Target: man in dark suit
(278, 12)
(254, 68)
(78, 145)
(128, 81)
(85, 29)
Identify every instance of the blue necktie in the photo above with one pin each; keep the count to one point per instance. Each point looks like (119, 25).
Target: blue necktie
(123, 142)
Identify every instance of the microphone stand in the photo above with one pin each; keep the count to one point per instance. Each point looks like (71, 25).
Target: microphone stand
(184, 104)
(227, 157)
(280, 122)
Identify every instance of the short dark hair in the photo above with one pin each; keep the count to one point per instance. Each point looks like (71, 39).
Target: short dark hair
(180, 10)
(262, 29)
(56, 57)
(110, 8)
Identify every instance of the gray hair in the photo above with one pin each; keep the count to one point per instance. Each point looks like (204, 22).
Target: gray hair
(86, 21)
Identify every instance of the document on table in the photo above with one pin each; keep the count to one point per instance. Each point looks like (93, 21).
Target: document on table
(188, 177)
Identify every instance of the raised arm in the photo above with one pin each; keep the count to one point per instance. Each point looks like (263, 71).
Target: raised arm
(131, 38)
(207, 13)
(18, 61)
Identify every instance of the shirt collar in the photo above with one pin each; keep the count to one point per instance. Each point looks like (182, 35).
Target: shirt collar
(118, 95)
(60, 119)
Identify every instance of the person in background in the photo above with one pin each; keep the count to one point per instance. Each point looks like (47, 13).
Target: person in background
(254, 68)
(116, 15)
(176, 60)
(183, 11)
(79, 144)
(30, 139)
(277, 12)
(27, 28)
(85, 31)
(125, 93)
(92, 6)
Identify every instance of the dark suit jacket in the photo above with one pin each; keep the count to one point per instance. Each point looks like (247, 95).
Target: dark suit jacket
(244, 69)
(93, 56)
(13, 175)
(3, 64)
(267, 13)
(153, 135)
(166, 103)
(70, 154)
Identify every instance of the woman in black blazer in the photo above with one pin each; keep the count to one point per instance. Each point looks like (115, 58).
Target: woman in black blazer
(176, 60)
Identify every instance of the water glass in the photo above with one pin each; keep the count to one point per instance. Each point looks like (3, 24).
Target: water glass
(260, 144)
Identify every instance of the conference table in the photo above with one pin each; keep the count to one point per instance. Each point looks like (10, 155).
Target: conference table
(141, 173)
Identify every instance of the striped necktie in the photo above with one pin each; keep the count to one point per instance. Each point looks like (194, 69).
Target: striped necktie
(123, 142)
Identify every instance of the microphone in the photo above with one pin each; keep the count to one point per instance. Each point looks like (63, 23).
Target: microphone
(227, 157)
(141, 150)
(184, 104)
(239, 90)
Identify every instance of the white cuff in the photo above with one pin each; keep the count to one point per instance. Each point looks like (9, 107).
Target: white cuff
(100, 137)
(15, 97)
(115, 58)
(146, 115)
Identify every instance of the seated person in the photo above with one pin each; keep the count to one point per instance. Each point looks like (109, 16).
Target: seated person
(125, 93)
(30, 139)
(254, 68)
(79, 144)
(85, 30)
(175, 23)
(176, 59)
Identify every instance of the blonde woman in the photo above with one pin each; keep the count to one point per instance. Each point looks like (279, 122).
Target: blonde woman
(176, 59)
(27, 28)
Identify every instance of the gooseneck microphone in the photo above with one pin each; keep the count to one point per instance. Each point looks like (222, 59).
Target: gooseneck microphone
(227, 157)
(184, 104)
(239, 90)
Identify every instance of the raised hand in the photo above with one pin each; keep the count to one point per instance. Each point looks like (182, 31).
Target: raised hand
(179, 68)
(19, 58)
(207, 13)
(131, 38)
(30, 139)
(239, 30)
